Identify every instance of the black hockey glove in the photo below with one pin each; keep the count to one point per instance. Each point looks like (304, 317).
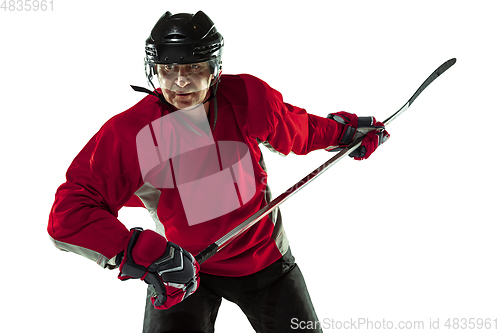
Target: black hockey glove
(171, 270)
(355, 127)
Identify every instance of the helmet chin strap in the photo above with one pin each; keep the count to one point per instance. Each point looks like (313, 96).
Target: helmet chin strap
(153, 93)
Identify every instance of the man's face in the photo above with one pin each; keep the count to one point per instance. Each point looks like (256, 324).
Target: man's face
(185, 86)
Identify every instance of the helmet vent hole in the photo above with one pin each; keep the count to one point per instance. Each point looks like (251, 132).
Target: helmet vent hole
(174, 37)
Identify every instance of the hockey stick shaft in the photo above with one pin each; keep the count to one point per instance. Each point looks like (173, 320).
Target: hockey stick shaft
(264, 211)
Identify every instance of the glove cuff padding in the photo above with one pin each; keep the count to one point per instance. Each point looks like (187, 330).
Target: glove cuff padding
(129, 269)
(149, 247)
(350, 122)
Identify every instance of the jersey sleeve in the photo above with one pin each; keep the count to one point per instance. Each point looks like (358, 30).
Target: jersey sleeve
(101, 179)
(288, 128)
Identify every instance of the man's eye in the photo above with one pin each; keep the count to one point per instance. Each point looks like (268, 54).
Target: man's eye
(195, 66)
(167, 67)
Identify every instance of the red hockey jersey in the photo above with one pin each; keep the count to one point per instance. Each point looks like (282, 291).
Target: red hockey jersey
(108, 174)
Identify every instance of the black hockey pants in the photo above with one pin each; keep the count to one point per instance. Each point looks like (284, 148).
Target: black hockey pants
(273, 300)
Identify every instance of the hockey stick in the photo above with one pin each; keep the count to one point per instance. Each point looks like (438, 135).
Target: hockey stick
(260, 214)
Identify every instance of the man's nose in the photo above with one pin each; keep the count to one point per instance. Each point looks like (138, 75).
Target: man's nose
(182, 81)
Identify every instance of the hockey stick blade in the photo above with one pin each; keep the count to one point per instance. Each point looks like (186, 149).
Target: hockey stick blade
(440, 70)
(264, 211)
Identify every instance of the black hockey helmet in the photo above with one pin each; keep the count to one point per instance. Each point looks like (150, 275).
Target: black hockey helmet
(184, 39)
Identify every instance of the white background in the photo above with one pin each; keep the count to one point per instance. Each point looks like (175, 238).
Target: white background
(410, 234)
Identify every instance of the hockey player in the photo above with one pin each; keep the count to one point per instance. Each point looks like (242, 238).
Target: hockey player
(189, 153)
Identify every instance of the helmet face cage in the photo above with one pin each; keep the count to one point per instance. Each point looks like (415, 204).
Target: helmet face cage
(151, 71)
